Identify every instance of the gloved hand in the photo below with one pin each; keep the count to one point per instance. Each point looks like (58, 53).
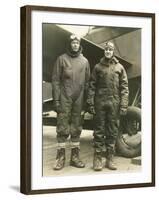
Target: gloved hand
(91, 110)
(57, 107)
(123, 111)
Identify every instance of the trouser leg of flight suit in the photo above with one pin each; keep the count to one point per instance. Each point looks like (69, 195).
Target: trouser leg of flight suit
(99, 132)
(112, 124)
(111, 134)
(76, 119)
(106, 124)
(69, 120)
(63, 119)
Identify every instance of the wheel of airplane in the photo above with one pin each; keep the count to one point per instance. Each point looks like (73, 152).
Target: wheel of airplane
(129, 139)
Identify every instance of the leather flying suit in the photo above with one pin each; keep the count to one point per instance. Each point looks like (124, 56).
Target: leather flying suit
(108, 92)
(70, 81)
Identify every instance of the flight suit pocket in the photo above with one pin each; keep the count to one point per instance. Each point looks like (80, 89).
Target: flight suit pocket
(67, 73)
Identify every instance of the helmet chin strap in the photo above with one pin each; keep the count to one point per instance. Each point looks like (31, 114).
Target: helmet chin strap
(72, 53)
(109, 58)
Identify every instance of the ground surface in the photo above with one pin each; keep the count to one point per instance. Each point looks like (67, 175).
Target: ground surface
(49, 156)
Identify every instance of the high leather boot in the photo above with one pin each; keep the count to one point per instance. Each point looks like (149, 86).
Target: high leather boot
(97, 161)
(75, 160)
(60, 159)
(110, 159)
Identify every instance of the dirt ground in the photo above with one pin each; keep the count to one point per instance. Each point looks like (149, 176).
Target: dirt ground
(86, 155)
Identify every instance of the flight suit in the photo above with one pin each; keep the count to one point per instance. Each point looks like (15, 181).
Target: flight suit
(70, 81)
(108, 93)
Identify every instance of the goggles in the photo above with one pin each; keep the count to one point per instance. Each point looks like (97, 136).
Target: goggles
(75, 37)
(109, 45)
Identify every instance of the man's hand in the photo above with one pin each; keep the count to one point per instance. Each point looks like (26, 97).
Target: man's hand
(123, 111)
(57, 107)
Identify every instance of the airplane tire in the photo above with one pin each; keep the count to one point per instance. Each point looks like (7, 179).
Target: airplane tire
(128, 145)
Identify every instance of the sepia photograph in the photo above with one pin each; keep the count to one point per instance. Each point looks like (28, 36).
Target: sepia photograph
(87, 99)
(91, 99)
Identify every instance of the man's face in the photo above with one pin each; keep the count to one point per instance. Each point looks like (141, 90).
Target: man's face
(108, 52)
(75, 45)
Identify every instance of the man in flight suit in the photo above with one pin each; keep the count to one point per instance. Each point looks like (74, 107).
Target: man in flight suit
(70, 82)
(107, 99)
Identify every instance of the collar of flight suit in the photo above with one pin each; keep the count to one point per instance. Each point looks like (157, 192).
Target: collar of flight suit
(74, 54)
(108, 62)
